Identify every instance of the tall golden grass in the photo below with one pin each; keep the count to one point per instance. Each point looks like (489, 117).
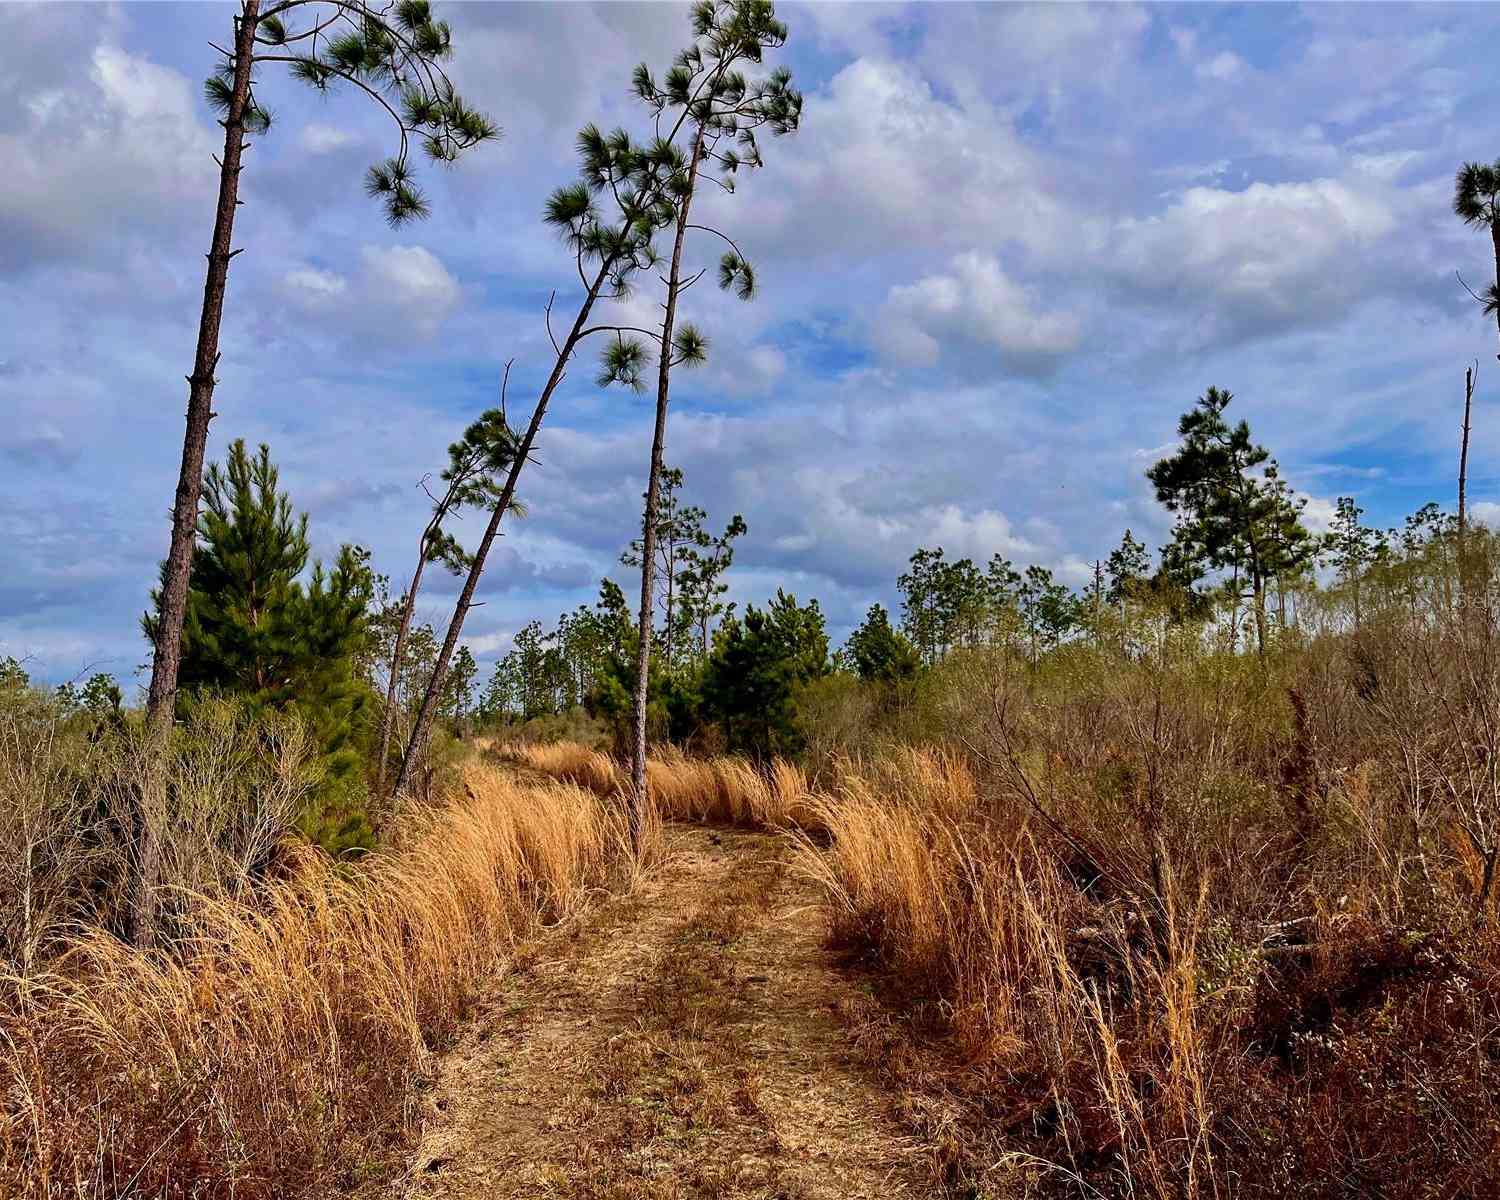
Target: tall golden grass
(980, 927)
(279, 1045)
(1188, 937)
(729, 791)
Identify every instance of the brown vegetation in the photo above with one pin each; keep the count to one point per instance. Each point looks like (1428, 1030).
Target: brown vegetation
(724, 791)
(1184, 923)
(277, 1045)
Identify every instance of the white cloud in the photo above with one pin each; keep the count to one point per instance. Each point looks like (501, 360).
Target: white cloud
(313, 287)
(411, 277)
(973, 306)
(747, 372)
(399, 292)
(1317, 512)
(119, 147)
(884, 165)
(1487, 512)
(1268, 254)
(1225, 66)
(317, 138)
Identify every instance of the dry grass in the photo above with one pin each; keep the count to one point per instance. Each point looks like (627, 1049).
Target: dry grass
(1180, 945)
(279, 1046)
(724, 791)
(1188, 928)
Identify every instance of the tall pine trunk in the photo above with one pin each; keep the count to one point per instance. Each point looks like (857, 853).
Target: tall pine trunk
(428, 711)
(398, 651)
(1495, 241)
(1259, 585)
(669, 564)
(166, 656)
(638, 799)
(1463, 483)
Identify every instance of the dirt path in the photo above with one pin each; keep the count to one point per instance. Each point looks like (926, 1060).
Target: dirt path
(684, 1041)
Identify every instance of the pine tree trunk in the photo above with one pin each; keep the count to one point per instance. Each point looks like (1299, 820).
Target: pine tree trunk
(671, 555)
(1463, 481)
(1495, 241)
(423, 726)
(388, 718)
(1260, 613)
(166, 656)
(638, 798)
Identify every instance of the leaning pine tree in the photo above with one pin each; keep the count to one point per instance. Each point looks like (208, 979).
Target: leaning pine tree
(706, 104)
(477, 464)
(609, 220)
(392, 53)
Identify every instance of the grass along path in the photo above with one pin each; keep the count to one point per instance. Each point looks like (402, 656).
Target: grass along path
(683, 1041)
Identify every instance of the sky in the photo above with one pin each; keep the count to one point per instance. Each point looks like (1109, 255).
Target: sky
(1007, 248)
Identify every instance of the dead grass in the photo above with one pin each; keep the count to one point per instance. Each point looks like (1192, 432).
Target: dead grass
(279, 1044)
(1152, 946)
(723, 791)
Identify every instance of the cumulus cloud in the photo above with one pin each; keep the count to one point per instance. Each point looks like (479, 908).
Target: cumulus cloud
(118, 148)
(1487, 512)
(1267, 256)
(884, 164)
(318, 138)
(973, 309)
(1225, 66)
(399, 293)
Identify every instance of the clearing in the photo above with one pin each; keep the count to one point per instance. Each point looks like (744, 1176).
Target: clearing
(683, 1041)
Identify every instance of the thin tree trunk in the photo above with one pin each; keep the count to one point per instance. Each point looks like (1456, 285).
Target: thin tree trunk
(670, 556)
(166, 656)
(638, 798)
(1495, 241)
(1260, 614)
(1463, 481)
(423, 725)
(388, 718)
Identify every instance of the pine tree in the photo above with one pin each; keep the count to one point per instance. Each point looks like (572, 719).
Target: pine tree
(709, 559)
(1232, 511)
(706, 101)
(1476, 202)
(460, 698)
(476, 464)
(1351, 548)
(679, 528)
(255, 631)
(759, 664)
(390, 52)
(879, 653)
(1127, 569)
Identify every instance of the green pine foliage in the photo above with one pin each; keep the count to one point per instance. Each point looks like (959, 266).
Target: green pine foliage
(759, 663)
(881, 653)
(256, 630)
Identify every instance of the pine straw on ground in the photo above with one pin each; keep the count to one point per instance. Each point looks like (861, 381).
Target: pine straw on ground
(685, 1041)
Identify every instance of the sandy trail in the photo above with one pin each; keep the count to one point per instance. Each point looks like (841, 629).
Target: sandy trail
(684, 1041)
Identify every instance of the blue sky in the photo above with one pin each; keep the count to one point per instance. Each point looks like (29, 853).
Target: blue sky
(1008, 247)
